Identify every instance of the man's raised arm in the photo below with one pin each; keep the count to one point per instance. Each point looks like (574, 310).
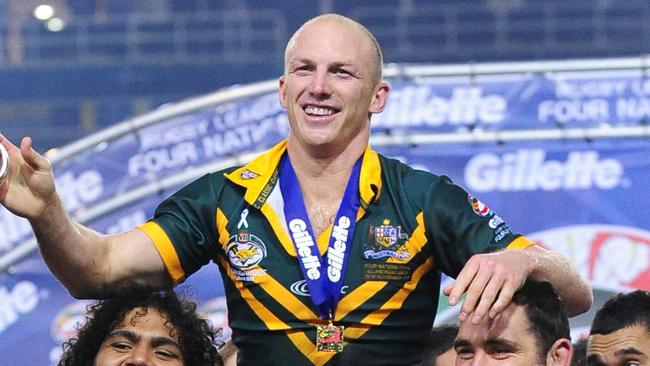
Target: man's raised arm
(89, 264)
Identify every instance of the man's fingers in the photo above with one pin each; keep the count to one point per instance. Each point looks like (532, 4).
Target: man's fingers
(15, 156)
(462, 282)
(490, 293)
(8, 145)
(474, 293)
(26, 149)
(447, 290)
(34, 159)
(505, 296)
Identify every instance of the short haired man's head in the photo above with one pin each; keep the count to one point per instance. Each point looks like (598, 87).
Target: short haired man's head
(579, 352)
(144, 324)
(439, 349)
(532, 330)
(620, 331)
(331, 86)
(377, 59)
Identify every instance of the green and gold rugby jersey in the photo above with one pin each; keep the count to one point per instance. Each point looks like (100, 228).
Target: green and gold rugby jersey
(411, 225)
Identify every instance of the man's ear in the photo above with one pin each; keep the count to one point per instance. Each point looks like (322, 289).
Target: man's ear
(282, 92)
(379, 98)
(560, 353)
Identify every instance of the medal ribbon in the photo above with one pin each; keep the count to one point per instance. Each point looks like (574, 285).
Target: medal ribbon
(324, 277)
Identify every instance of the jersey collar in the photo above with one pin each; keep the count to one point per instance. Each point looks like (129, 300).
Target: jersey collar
(260, 175)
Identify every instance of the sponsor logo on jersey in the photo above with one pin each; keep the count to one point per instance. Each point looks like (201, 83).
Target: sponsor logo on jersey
(530, 170)
(300, 288)
(243, 236)
(610, 256)
(478, 207)
(496, 222)
(386, 240)
(500, 232)
(247, 174)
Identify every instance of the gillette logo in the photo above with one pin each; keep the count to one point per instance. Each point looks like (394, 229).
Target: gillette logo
(528, 170)
(19, 300)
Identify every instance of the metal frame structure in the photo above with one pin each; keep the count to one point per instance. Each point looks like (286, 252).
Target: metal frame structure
(393, 71)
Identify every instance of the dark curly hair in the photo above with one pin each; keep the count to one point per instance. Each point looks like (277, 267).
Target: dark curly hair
(196, 336)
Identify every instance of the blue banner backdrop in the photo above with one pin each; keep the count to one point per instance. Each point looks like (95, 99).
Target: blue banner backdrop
(587, 199)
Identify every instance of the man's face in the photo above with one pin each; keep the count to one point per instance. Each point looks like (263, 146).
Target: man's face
(141, 340)
(504, 340)
(447, 358)
(330, 85)
(629, 346)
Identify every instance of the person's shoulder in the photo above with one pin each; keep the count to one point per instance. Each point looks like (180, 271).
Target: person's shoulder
(417, 182)
(221, 174)
(397, 168)
(211, 181)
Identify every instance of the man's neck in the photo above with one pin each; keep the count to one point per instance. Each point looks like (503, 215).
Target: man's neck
(323, 180)
(323, 177)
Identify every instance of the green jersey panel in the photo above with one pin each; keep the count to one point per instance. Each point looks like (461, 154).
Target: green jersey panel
(412, 225)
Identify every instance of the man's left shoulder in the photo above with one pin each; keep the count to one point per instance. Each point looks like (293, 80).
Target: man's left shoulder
(393, 167)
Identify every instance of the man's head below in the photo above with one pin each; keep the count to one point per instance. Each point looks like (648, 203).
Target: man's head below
(532, 331)
(439, 349)
(620, 332)
(143, 327)
(579, 352)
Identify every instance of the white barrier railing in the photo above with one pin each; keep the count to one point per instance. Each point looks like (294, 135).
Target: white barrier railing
(394, 72)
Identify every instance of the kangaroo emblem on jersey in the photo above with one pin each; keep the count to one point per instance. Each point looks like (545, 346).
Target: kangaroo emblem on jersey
(245, 254)
(245, 251)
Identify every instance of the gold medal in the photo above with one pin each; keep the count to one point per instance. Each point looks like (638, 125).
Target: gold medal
(329, 338)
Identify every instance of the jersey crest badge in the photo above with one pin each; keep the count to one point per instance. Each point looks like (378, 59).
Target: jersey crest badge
(386, 240)
(245, 251)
